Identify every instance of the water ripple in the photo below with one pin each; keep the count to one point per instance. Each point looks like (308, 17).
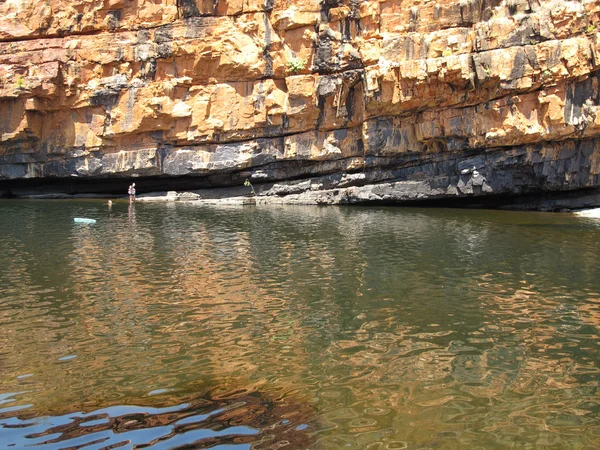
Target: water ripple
(297, 328)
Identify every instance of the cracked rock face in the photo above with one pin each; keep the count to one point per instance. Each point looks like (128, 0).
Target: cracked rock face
(385, 100)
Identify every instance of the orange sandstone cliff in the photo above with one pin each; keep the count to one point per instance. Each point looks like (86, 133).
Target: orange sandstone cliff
(313, 101)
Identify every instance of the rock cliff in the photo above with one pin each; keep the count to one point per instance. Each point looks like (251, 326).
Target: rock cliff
(327, 101)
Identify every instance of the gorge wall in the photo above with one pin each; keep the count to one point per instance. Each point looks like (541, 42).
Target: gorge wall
(326, 101)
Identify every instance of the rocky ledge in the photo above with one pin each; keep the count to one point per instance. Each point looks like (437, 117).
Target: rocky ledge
(313, 101)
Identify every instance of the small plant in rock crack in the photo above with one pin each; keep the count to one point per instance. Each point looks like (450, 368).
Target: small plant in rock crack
(296, 65)
(248, 184)
(20, 83)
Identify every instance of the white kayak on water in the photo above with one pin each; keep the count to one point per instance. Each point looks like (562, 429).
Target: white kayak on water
(83, 220)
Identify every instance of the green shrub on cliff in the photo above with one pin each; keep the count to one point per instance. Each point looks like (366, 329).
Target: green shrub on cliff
(296, 65)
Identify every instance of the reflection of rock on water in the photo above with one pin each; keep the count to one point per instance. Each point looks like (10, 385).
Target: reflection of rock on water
(218, 418)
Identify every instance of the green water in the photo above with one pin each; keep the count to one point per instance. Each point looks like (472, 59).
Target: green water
(297, 327)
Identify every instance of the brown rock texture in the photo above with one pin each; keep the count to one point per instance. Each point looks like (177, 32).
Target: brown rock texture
(341, 101)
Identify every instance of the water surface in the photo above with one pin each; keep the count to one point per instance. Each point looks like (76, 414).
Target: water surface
(179, 326)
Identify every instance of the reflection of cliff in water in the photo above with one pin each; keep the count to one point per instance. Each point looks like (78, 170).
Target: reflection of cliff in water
(376, 318)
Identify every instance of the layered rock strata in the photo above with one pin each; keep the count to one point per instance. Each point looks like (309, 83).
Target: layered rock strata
(333, 101)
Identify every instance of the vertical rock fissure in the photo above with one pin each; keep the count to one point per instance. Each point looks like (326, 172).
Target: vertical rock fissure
(268, 73)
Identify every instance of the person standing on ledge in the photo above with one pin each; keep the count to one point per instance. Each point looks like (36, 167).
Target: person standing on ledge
(131, 192)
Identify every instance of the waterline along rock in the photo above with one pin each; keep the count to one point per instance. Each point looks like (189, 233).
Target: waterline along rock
(313, 101)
